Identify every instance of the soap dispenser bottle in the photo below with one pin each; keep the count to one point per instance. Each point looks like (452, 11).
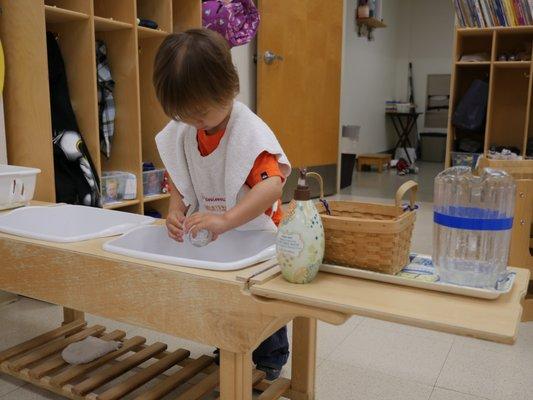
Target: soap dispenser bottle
(300, 238)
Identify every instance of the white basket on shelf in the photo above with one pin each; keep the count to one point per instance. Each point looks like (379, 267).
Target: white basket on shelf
(17, 185)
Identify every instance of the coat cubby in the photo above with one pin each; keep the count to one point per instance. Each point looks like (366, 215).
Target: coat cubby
(77, 25)
(505, 64)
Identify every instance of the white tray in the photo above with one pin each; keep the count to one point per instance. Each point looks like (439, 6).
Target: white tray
(68, 223)
(231, 251)
(420, 273)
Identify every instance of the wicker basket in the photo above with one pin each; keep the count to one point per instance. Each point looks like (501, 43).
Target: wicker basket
(370, 236)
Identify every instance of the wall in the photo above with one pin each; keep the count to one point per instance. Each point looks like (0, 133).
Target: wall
(369, 77)
(243, 58)
(429, 26)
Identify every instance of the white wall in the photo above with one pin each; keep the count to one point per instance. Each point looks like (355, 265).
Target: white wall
(243, 60)
(369, 77)
(429, 26)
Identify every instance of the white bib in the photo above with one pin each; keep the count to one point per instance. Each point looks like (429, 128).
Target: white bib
(208, 176)
(217, 182)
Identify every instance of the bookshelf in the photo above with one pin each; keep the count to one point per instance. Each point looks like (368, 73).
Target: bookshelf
(131, 51)
(509, 121)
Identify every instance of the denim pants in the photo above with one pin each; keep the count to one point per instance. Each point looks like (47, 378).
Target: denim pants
(274, 351)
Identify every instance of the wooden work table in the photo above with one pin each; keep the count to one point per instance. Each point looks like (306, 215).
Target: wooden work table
(234, 311)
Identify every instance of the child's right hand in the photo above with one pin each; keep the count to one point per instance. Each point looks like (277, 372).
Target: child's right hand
(174, 224)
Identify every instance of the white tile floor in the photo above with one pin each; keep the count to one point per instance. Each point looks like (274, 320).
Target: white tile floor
(364, 359)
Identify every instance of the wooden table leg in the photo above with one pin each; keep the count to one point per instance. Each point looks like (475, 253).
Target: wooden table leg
(71, 315)
(303, 359)
(235, 375)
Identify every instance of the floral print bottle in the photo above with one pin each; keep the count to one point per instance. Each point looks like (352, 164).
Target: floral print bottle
(300, 239)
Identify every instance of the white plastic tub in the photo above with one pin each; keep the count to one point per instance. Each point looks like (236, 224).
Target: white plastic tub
(231, 251)
(17, 185)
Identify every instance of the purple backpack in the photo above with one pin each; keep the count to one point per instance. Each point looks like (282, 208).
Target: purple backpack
(236, 20)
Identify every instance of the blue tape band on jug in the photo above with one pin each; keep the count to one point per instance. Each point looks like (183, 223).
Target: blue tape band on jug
(470, 218)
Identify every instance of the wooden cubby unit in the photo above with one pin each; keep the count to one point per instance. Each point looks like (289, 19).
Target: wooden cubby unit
(130, 50)
(509, 120)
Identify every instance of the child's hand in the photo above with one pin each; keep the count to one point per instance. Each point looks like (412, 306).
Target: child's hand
(174, 224)
(214, 223)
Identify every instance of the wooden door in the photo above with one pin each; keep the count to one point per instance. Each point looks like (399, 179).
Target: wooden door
(299, 96)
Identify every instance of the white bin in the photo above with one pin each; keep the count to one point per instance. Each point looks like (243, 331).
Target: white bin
(17, 185)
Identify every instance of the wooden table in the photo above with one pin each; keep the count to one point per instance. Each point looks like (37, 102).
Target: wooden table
(379, 160)
(234, 311)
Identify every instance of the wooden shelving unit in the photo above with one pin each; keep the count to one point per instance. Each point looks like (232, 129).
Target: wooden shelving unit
(131, 51)
(509, 121)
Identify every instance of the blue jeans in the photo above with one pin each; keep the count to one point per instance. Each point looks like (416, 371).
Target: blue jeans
(274, 351)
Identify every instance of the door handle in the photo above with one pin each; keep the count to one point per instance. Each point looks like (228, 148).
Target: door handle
(270, 57)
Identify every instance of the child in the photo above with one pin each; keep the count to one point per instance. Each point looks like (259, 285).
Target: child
(222, 159)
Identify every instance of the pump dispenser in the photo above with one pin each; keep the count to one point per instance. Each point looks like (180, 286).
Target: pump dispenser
(300, 239)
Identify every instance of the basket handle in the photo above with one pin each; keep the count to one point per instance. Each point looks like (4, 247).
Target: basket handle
(411, 186)
(320, 181)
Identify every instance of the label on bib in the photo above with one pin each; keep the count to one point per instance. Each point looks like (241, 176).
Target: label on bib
(290, 244)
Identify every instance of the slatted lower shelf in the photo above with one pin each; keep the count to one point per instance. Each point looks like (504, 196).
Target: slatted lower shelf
(122, 372)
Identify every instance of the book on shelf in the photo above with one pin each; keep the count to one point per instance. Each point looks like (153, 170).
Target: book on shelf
(490, 13)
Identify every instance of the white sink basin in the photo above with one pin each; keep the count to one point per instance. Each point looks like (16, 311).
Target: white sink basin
(67, 223)
(231, 251)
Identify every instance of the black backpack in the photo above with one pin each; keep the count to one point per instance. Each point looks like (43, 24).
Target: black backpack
(471, 111)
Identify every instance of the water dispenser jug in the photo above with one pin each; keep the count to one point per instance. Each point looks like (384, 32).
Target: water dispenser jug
(473, 217)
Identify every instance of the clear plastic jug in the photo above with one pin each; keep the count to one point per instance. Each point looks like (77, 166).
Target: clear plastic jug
(473, 217)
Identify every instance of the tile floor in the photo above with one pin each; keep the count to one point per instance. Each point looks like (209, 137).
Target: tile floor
(364, 359)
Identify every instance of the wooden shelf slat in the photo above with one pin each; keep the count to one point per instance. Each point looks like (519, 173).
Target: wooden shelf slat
(176, 379)
(145, 32)
(54, 347)
(276, 390)
(139, 379)
(473, 64)
(203, 387)
(120, 204)
(102, 24)
(113, 371)
(57, 15)
(512, 64)
(42, 339)
(155, 197)
(77, 371)
(371, 22)
(57, 361)
(199, 376)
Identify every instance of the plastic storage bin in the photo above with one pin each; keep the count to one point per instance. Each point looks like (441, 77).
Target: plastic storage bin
(17, 185)
(460, 159)
(473, 217)
(153, 182)
(118, 186)
(433, 146)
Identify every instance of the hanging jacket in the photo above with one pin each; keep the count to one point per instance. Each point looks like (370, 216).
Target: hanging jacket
(106, 102)
(76, 180)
